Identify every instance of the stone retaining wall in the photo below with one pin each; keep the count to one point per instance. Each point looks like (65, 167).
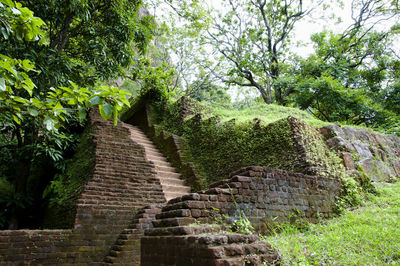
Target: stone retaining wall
(259, 193)
(19, 246)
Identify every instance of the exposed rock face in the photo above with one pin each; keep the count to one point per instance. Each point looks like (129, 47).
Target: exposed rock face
(376, 155)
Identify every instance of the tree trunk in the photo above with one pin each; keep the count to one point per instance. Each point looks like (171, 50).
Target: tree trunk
(274, 75)
(22, 168)
(265, 94)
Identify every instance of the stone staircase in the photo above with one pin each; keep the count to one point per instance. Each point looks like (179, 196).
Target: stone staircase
(204, 245)
(114, 191)
(126, 250)
(170, 180)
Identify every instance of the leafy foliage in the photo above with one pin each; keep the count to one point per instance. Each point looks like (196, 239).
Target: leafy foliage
(49, 66)
(335, 85)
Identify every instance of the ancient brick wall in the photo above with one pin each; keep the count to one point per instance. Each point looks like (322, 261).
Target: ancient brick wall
(123, 182)
(19, 246)
(259, 193)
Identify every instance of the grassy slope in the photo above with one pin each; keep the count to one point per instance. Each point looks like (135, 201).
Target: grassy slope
(266, 113)
(369, 235)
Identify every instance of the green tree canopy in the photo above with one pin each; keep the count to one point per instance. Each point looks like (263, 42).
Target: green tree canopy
(54, 55)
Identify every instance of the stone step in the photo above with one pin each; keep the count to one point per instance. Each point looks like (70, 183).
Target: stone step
(128, 199)
(156, 158)
(151, 149)
(172, 181)
(164, 168)
(109, 188)
(121, 172)
(171, 222)
(162, 174)
(124, 182)
(142, 141)
(160, 162)
(120, 208)
(172, 195)
(184, 230)
(110, 259)
(109, 204)
(114, 202)
(153, 153)
(172, 188)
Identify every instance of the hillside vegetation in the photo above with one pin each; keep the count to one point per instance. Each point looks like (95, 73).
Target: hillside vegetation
(266, 113)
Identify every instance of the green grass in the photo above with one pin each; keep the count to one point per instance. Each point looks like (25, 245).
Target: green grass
(369, 235)
(266, 113)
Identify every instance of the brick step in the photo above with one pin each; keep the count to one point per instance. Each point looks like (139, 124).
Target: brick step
(253, 253)
(114, 194)
(142, 140)
(120, 184)
(188, 204)
(117, 254)
(172, 195)
(176, 189)
(163, 162)
(128, 199)
(118, 173)
(142, 226)
(156, 158)
(153, 153)
(118, 154)
(176, 221)
(150, 209)
(115, 203)
(126, 148)
(110, 259)
(184, 230)
(135, 161)
(172, 181)
(121, 164)
(137, 178)
(151, 148)
(136, 130)
(109, 188)
(115, 172)
(109, 207)
(164, 168)
(162, 174)
(145, 219)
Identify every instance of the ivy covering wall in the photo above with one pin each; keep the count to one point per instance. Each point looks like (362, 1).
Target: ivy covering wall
(218, 148)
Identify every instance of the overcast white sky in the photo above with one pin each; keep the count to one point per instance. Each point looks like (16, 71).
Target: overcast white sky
(304, 28)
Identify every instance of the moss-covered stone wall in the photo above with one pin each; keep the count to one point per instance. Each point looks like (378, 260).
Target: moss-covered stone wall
(216, 148)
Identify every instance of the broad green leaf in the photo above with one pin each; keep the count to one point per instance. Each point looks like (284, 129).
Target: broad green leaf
(9, 3)
(81, 113)
(16, 119)
(3, 86)
(49, 123)
(106, 110)
(33, 112)
(95, 100)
